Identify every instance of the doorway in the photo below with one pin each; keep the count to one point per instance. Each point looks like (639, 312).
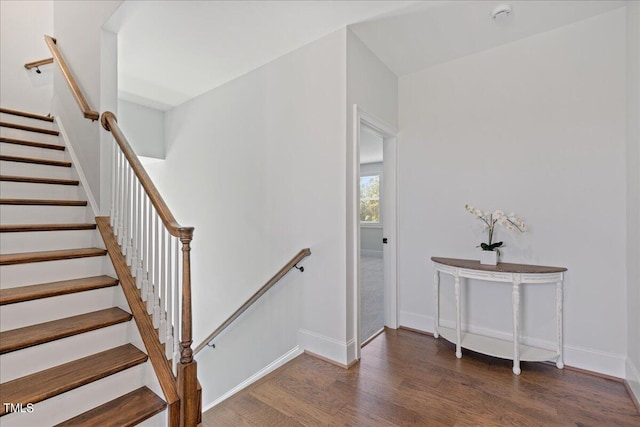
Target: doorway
(375, 225)
(372, 224)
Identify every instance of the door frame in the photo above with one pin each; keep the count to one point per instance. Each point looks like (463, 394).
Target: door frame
(390, 136)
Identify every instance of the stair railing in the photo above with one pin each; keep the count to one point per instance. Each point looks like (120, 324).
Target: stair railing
(157, 249)
(293, 263)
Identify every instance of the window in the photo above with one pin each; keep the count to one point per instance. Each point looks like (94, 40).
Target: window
(370, 200)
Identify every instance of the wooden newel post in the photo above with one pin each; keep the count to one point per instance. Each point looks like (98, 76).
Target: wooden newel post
(186, 354)
(187, 368)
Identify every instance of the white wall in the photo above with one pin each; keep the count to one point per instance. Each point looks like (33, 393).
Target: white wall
(258, 167)
(78, 30)
(535, 126)
(633, 196)
(374, 88)
(144, 128)
(23, 25)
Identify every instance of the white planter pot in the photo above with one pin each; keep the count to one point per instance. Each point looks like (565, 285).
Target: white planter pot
(489, 257)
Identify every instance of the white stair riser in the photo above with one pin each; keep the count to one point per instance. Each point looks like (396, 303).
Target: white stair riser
(10, 118)
(50, 271)
(18, 214)
(35, 170)
(9, 149)
(74, 402)
(158, 420)
(27, 190)
(13, 316)
(35, 241)
(33, 136)
(40, 357)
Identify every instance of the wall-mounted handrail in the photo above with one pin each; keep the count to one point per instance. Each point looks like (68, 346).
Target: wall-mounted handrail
(73, 84)
(39, 63)
(279, 275)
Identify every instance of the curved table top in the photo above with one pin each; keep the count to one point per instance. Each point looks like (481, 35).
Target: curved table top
(503, 267)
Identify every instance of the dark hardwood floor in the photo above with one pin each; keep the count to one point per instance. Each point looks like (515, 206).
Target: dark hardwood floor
(406, 378)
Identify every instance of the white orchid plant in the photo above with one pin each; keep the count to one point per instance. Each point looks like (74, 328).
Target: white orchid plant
(490, 219)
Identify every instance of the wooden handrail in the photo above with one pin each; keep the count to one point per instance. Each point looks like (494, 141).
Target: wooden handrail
(110, 123)
(73, 84)
(36, 64)
(279, 275)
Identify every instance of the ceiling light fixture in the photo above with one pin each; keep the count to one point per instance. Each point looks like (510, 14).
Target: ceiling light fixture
(501, 12)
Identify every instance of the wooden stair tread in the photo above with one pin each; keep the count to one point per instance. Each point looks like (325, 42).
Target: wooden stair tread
(29, 128)
(28, 257)
(43, 202)
(36, 161)
(20, 228)
(30, 143)
(36, 180)
(125, 411)
(29, 336)
(26, 114)
(52, 289)
(51, 382)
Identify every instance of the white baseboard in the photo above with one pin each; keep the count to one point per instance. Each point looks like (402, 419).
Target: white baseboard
(329, 348)
(371, 253)
(290, 355)
(76, 164)
(416, 321)
(576, 356)
(633, 379)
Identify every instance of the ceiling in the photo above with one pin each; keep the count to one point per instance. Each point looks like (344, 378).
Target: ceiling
(172, 51)
(430, 33)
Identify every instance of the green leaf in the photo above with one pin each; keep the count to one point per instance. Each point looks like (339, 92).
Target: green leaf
(491, 247)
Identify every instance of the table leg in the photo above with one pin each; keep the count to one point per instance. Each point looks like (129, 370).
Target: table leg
(436, 296)
(560, 361)
(458, 318)
(516, 326)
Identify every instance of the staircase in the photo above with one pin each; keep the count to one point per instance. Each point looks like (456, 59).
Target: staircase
(67, 356)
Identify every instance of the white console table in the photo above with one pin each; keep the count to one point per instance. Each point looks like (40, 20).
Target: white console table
(517, 275)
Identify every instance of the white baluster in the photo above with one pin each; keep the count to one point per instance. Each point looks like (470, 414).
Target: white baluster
(120, 194)
(153, 258)
(139, 234)
(176, 309)
(134, 224)
(162, 325)
(144, 292)
(156, 273)
(126, 249)
(168, 345)
(114, 168)
(132, 220)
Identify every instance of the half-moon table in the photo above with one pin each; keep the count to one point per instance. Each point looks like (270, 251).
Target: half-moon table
(515, 274)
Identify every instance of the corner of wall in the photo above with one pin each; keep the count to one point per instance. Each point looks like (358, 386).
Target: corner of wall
(78, 166)
(288, 356)
(342, 353)
(633, 193)
(633, 381)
